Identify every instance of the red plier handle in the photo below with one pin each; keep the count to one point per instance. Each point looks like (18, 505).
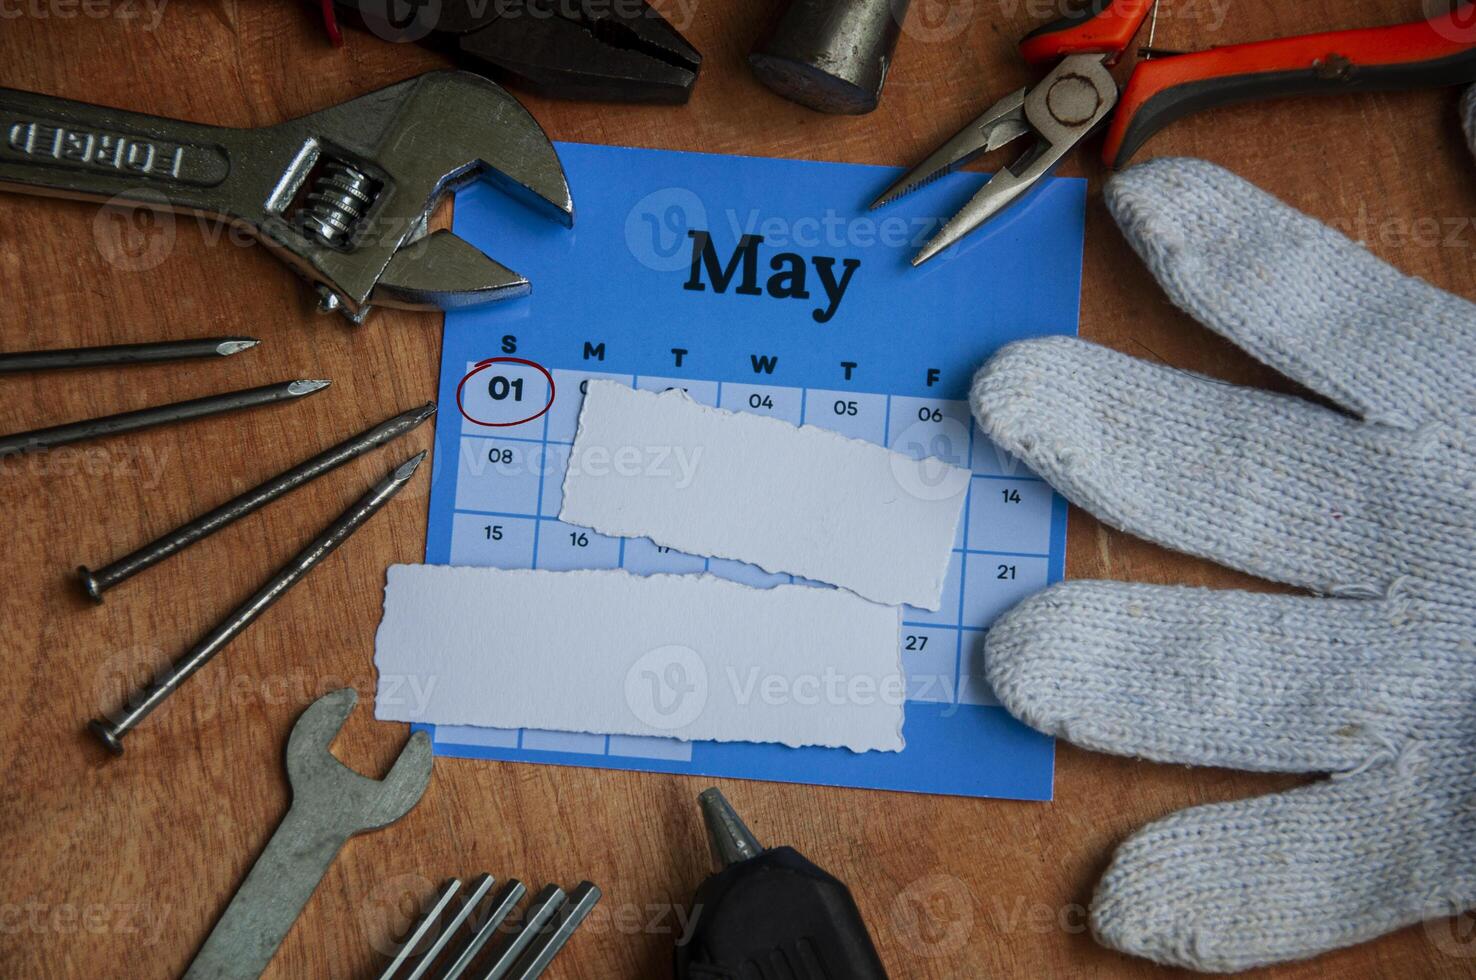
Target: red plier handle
(1101, 27)
(1426, 54)
(1432, 53)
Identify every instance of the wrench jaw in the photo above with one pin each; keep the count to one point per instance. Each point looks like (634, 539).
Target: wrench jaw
(444, 272)
(312, 736)
(398, 792)
(315, 774)
(353, 206)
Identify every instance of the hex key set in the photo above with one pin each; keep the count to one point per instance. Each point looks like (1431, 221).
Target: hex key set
(449, 945)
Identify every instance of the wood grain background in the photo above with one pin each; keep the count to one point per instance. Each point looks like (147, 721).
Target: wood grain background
(119, 868)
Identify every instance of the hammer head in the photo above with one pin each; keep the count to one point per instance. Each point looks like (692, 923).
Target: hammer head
(354, 203)
(320, 780)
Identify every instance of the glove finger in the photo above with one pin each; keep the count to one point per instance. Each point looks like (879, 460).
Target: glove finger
(1267, 683)
(1298, 295)
(1238, 885)
(1265, 483)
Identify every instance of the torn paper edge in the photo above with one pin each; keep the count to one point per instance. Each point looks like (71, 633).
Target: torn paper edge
(600, 651)
(710, 521)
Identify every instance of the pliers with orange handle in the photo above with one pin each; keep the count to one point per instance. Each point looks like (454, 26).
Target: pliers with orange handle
(1079, 95)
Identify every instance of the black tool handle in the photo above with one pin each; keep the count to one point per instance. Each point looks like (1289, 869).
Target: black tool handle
(779, 917)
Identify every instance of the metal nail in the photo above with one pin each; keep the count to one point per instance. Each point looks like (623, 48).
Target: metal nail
(58, 435)
(112, 732)
(96, 583)
(113, 354)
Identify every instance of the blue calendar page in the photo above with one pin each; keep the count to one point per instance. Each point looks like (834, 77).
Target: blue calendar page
(762, 285)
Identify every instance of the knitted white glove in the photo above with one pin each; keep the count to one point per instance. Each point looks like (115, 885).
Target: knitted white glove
(1374, 681)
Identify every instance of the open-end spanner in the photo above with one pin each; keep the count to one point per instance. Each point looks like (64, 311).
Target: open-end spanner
(330, 804)
(342, 195)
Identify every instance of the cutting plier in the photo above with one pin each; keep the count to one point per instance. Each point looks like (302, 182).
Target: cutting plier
(1079, 95)
(563, 49)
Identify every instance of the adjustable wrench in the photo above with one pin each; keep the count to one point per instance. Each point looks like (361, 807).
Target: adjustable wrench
(342, 195)
(330, 804)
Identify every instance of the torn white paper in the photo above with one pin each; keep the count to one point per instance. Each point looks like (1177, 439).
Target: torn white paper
(693, 657)
(801, 500)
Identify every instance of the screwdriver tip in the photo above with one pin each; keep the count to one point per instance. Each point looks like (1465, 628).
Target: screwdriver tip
(307, 387)
(235, 345)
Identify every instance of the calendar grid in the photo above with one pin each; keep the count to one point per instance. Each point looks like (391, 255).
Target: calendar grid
(949, 679)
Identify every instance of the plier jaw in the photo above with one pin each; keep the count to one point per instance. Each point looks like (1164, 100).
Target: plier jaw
(1063, 110)
(1000, 125)
(563, 49)
(622, 52)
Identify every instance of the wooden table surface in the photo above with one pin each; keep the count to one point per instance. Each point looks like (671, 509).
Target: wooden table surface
(120, 868)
